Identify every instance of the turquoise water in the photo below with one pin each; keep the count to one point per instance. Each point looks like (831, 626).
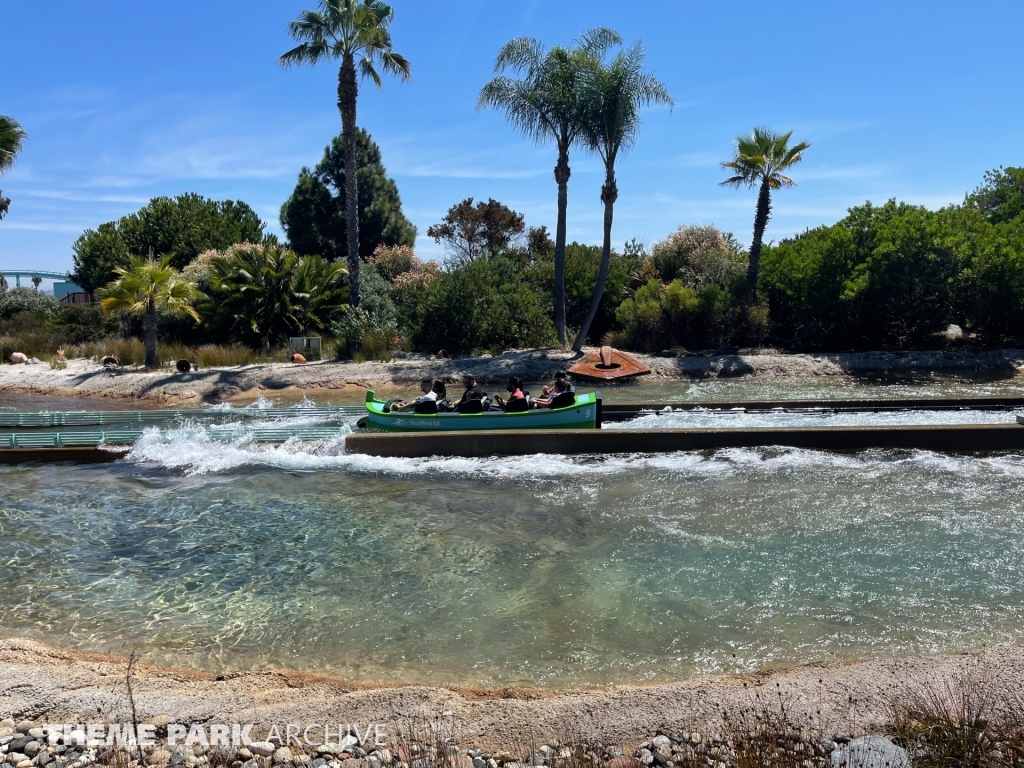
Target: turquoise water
(538, 570)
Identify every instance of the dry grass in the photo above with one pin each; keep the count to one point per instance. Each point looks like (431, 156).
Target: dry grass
(131, 352)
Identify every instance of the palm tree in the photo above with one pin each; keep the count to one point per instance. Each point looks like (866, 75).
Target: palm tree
(346, 29)
(269, 293)
(759, 161)
(611, 98)
(544, 105)
(12, 138)
(148, 286)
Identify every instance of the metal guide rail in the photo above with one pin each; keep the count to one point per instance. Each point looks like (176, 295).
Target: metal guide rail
(102, 418)
(129, 436)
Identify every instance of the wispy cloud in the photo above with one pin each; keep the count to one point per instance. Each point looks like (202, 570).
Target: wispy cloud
(84, 197)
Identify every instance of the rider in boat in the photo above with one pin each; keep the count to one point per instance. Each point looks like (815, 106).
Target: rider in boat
(441, 391)
(472, 400)
(516, 402)
(428, 396)
(560, 397)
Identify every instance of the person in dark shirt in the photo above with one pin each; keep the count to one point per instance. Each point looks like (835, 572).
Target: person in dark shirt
(473, 391)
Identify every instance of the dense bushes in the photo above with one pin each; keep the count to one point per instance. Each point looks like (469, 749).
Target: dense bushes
(488, 304)
(691, 292)
(20, 300)
(896, 275)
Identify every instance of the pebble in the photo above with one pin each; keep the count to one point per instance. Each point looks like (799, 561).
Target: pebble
(870, 752)
(263, 748)
(623, 761)
(282, 755)
(32, 748)
(24, 726)
(244, 754)
(158, 757)
(661, 741)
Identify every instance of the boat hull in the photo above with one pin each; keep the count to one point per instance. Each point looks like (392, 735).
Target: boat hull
(584, 414)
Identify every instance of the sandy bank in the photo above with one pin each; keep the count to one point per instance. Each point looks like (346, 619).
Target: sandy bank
(83, 378)
(38, 681)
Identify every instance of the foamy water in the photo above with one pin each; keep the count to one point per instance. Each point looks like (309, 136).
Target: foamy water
(539, 570)
(225, 554)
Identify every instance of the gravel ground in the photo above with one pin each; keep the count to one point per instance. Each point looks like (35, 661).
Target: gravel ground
(39, 682)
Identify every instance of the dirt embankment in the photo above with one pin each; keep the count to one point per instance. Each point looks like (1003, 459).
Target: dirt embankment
(38, 681)
(83, 378)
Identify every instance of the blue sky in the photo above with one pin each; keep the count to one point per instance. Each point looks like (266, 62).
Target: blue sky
(124, 100)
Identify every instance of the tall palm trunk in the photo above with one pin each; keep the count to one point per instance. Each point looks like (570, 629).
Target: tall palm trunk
(609, 194)
(149, 335)
(764, 209)
(562, 173)
(348, 90)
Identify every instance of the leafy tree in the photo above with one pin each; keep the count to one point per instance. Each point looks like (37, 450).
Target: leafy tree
(347, 29)
(989, 292)
(611, 97)
(313, 217)
(146, 287)
(487, 304)
(180, 228)
(265, 293)
(544, 105)
(12, 139)
(470, 231)
(759, 162)
(1001, 197)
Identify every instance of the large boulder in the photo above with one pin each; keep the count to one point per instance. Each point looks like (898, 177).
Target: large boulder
(870, 752)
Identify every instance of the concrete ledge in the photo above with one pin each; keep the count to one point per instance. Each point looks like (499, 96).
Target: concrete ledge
(951, 438)
(49, 455)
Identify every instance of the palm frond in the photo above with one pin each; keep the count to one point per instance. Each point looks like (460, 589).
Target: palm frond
(12, 140)
(342, 28)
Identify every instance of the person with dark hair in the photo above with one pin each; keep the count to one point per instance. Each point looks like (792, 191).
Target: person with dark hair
(472, 400)
(560, 397)
(473, 391)
(562, 376)
(429, 395)
(516, 399)
(441, 392)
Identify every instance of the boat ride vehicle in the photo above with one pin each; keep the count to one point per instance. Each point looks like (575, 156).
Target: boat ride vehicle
(585, 413)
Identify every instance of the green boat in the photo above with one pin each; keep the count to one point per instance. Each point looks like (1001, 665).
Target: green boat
(585, 413)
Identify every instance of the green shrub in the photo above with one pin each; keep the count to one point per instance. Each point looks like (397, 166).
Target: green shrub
(19, 300)
(488, 304)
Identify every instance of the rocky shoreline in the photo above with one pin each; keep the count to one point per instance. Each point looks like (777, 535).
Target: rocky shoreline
(86, 378)
(29, 744)
(809, 710)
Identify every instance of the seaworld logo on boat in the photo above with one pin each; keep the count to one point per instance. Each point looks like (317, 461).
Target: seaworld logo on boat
(417, 423)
